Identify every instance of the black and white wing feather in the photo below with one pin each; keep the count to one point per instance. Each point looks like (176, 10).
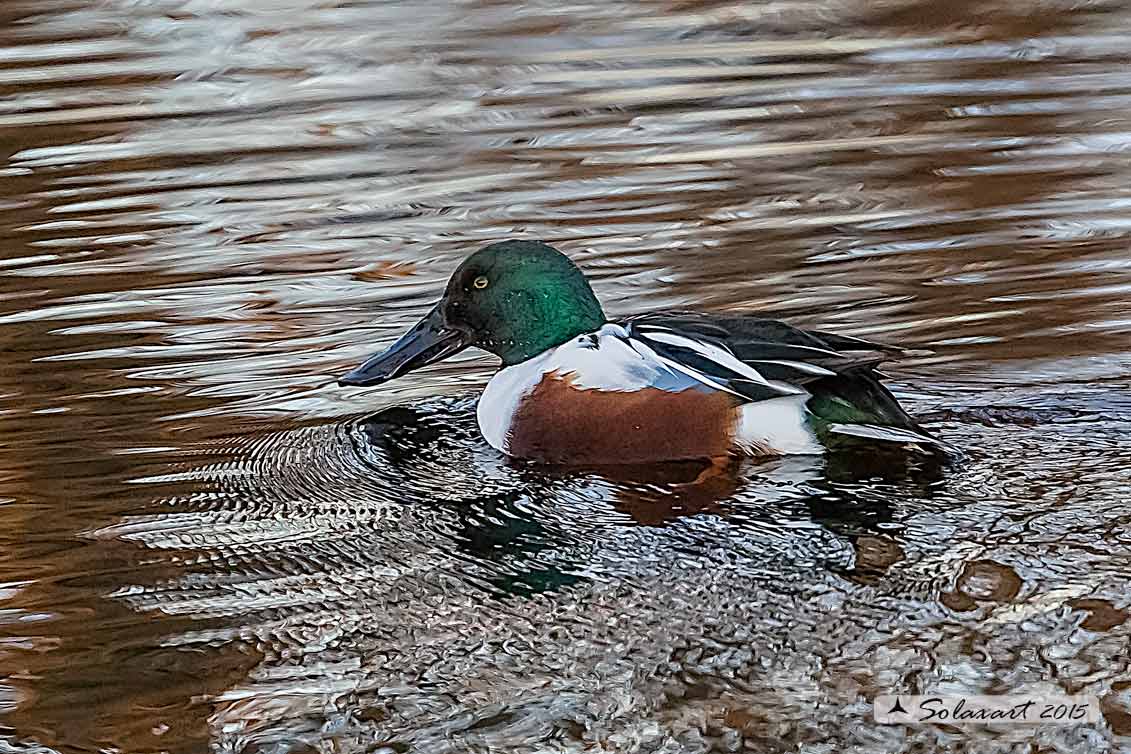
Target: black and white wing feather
(708, 361)
(755, 358)
(759, 359)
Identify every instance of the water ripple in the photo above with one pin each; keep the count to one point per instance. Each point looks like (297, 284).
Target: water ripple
(209, 210)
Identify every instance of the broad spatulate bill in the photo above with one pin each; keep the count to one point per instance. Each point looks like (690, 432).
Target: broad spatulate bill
(577, 388)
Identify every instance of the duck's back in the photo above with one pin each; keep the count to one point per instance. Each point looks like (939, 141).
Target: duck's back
(844, 393)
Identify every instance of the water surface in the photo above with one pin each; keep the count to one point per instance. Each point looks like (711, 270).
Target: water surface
(211, 209)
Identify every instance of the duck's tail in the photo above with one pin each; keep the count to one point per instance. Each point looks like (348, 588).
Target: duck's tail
(854, 406)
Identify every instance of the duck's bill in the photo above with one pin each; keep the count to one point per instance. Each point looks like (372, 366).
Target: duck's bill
(426, 343)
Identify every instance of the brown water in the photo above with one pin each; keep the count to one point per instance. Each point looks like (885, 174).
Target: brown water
(209, 209)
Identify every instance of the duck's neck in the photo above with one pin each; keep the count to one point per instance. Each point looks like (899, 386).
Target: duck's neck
(549, 317)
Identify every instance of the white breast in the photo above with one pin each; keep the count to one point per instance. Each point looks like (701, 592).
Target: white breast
(502, 395)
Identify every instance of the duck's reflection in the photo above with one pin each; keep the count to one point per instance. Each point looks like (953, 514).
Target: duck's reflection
(532, 518)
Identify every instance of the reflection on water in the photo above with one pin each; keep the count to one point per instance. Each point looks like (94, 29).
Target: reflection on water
(210, 209)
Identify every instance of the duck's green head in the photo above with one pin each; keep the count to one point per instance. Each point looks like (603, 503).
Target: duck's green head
(515, 299)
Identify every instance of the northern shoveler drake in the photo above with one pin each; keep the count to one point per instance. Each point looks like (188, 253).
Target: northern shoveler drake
(577, 388)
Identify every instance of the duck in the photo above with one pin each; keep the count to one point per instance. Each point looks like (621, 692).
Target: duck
(575, 387)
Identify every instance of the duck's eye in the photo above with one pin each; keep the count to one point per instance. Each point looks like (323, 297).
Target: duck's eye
(481, 282)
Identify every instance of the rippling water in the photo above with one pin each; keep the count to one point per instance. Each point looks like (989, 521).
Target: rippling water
(209, 209)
